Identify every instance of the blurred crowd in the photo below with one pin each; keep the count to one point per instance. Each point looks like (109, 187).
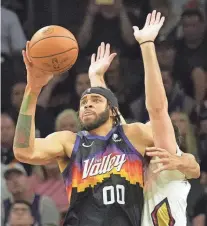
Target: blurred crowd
(35, 195)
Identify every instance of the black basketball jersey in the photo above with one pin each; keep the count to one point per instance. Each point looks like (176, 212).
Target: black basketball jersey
(104, 181)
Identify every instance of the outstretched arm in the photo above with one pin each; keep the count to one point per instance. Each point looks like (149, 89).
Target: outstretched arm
(156, 100)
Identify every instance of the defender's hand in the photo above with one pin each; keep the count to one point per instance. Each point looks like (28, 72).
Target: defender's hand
(169, 161)
(36, 78)
(152, 26)
(101, 62)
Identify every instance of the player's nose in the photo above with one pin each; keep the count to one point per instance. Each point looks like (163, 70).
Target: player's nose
(88, 105)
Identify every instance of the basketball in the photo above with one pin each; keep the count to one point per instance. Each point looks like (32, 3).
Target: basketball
(53, 49)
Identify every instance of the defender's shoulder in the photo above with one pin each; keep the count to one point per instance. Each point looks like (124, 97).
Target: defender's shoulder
(139, 129)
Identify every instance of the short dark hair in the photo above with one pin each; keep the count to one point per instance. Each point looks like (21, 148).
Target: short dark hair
(22, 202)
(193, 12)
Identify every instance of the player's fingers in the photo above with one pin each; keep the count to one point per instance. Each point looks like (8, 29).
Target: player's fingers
(153, 17)
(148, 20)
(93, 58)
(157, 19)
(107, 50)
(162, 21)
(102, 50)
(26, 61)
(156, 161)
(111, 57)
(98, 53)
(155, 149)
(27, 51)
(157, 154)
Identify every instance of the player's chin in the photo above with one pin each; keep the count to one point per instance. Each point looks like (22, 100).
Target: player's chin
(88, 118)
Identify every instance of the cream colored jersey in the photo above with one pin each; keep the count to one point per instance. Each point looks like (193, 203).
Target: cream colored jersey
(165, 198)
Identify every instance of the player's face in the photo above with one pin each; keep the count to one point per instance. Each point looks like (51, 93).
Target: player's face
(20, 215)
(94, 111)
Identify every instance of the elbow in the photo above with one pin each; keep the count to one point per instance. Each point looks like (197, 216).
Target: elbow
(17, 154)
(157, 111)
(157, 106)
(22, 155)
(195, 174)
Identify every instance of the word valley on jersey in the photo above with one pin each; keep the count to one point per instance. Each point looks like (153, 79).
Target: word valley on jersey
(93, 167)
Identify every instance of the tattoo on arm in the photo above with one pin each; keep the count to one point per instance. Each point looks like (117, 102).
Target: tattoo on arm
(23, 131)
(24, 124)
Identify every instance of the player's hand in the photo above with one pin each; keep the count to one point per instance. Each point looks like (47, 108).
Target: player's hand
(151, 28)
(36, 78)
(166, 161)
(101, 61)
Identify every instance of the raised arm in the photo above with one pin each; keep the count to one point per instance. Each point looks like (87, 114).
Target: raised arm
(100, 63)
(26, 148)
(156, 100)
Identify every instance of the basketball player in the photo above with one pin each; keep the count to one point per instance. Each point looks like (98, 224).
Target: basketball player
(101, 165)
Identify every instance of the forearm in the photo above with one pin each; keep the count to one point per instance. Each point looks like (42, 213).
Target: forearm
(126, 28)
(97, 80)
(25, 128)
(85, 33)
(189, 166)
(156, 99)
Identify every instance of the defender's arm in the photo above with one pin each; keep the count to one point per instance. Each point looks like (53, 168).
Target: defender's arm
(156, 100)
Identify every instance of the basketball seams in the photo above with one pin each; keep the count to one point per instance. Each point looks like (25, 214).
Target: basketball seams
(54, 36)
(60, 70)
(55, 54)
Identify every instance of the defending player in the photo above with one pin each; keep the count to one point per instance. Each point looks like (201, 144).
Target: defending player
(166, 191)
(102, 166)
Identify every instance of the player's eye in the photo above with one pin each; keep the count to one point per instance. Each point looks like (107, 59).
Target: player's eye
(83, 102)
(96, 100)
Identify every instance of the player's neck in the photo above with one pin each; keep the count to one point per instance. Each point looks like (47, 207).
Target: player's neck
(102, 130)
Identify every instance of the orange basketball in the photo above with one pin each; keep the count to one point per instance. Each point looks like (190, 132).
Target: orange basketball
(53, 49)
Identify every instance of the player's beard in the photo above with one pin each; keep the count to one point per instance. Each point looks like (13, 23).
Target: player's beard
(100, 120)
